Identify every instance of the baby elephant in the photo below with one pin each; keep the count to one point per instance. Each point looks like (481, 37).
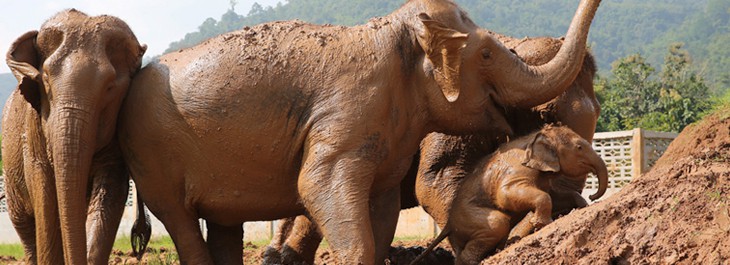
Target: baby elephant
(512, 181)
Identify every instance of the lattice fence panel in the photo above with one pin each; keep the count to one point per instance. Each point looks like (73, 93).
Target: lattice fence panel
(130, 195)
(654, 148)
(3, 202)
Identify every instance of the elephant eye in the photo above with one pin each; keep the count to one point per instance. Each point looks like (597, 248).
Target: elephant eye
(486, 53)
(580, 147)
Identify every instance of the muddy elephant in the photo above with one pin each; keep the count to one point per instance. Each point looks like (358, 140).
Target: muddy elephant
(289, 118)
(64, 171)
(512, 181)
(447, 159)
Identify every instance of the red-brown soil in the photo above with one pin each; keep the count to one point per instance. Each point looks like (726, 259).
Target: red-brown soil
(675, 214)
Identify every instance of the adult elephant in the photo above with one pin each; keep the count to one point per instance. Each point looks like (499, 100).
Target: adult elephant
(289, 118)
(447, 159)
(64, 171)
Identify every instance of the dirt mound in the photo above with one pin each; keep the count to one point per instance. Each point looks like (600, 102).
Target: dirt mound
(403, 252)
(676, 213)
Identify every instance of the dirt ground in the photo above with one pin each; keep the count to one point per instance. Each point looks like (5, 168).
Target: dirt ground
(678, 213)
(675, 214)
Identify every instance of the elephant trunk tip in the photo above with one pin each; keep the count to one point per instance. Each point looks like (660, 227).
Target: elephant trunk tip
(601, 173)
(596, 196)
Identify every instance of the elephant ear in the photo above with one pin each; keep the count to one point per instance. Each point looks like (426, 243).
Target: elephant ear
(541, 155)
(24, 62)
(443, 47)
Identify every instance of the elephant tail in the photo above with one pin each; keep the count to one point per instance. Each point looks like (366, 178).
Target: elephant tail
(444, 233)
(141, 230)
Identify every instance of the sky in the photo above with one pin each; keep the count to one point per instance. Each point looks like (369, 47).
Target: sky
(156, 23)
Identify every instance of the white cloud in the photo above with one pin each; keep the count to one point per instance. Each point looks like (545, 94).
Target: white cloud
(156, 23)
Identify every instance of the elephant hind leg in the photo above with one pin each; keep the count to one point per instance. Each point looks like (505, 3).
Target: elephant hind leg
(301, 246)
(225, 243)
(385, 207)
(25, 226)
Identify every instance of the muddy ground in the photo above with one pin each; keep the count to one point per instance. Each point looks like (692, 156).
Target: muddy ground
(678, 213)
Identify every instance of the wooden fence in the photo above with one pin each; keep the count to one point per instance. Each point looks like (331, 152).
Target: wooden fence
(627, 154)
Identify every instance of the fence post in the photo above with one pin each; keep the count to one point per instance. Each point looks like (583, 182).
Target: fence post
(637, 153)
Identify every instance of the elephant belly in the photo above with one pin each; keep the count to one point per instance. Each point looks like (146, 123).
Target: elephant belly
(233, 202)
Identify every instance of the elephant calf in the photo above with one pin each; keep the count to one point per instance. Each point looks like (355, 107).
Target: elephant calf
(512, 181)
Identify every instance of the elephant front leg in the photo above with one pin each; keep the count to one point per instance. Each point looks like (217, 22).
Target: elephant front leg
(523, 198)
(110, 188)
(42, 194)
(335, 192)
(521, 230)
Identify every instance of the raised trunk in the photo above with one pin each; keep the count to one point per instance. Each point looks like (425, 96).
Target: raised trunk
(602, 173)
(529, 86)
(72, 140)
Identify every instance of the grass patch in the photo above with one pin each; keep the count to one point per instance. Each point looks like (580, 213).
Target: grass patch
(256, 244)
(14, 250)
(124, 244)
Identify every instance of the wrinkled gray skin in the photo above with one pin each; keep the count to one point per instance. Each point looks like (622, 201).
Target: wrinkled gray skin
(447, 159)
(65, 176)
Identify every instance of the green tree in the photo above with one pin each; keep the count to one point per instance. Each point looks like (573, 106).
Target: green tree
(628, 96)
(634, 98)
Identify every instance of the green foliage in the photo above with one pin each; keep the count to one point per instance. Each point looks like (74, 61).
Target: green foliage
(634, 97)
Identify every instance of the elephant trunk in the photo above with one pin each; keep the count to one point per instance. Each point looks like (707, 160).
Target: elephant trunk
(528, 86)
(599, 167)
(72, 141)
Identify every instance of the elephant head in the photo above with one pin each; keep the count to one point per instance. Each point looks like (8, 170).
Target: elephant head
(472, 71)
(75, 72)
(559, 149)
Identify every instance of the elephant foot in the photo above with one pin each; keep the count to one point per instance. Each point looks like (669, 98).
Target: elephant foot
(285, 255)
(540, 222)
(271, 256)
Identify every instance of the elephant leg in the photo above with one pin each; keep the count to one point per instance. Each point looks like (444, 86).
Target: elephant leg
(384, 210)
(564, 202)
(184, 230)
(272, 254)
(24, 225)
(522, 229)
(476, 250)
(336, 191)
(225, 243)
(26, 232)
(110, 188)
(282, 233)
(301, 245)
(483, 229)
(531, 198)
(42, 192)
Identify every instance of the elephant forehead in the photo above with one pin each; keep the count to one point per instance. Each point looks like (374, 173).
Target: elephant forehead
(73, 22)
